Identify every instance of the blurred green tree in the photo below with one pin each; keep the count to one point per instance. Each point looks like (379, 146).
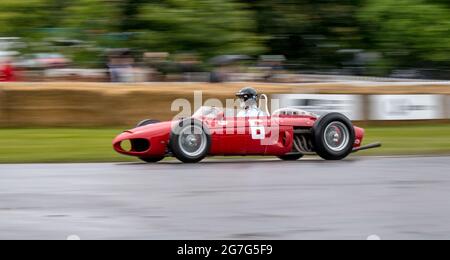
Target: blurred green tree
(20, 18)
(93, 17)
(313, 34)
(208, 27)
(409, 33)
(310, 32)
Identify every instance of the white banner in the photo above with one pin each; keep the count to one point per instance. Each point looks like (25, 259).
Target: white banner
(406, 107)
(447, 107)
(349, 105)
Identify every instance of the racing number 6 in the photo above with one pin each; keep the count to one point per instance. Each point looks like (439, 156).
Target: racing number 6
(258, 131)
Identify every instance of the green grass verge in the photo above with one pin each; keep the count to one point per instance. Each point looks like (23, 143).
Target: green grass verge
(94, 145)
(58, 145)
(409, 140)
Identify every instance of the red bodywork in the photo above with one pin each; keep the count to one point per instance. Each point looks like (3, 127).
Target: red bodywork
(229, 136)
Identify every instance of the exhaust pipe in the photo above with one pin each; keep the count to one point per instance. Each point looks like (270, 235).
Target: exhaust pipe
(367, 147)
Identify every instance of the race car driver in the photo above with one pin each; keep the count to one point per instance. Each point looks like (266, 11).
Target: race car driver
(249, 105)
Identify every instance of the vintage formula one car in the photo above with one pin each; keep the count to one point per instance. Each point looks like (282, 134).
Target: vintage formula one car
(288, 134)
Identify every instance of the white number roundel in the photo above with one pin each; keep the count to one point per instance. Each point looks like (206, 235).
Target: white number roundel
(258, 131)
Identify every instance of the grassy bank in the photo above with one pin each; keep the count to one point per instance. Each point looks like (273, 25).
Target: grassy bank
(94, 145)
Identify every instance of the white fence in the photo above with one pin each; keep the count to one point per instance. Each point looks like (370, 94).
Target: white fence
(373, 107)
(349, 105)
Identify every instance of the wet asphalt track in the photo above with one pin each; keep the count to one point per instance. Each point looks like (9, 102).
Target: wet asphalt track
(393, 198)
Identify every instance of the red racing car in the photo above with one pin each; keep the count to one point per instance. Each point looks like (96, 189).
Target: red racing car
(288, 134)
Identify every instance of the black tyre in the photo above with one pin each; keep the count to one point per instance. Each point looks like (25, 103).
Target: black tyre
(190, 141)
(147, 122)
(291, 157)
(333, 136)
(152, 159)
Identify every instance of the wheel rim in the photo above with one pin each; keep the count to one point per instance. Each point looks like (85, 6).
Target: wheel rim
(337, 136)
(192, 141)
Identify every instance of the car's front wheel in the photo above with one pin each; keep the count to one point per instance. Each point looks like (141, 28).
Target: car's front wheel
(190, 141)
(152, 159)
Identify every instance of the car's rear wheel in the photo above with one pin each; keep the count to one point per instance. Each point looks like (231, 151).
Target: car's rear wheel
(190, 141)
(333, 136)
(291, 157)
(152, 159)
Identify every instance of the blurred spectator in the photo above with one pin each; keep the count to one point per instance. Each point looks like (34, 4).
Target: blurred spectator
(158, 65)
(273, 65)
(188, 65)
(121, 66)
(43, 61)
(225, 66)
(114, 69)
(218, 75)
(7, 71)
